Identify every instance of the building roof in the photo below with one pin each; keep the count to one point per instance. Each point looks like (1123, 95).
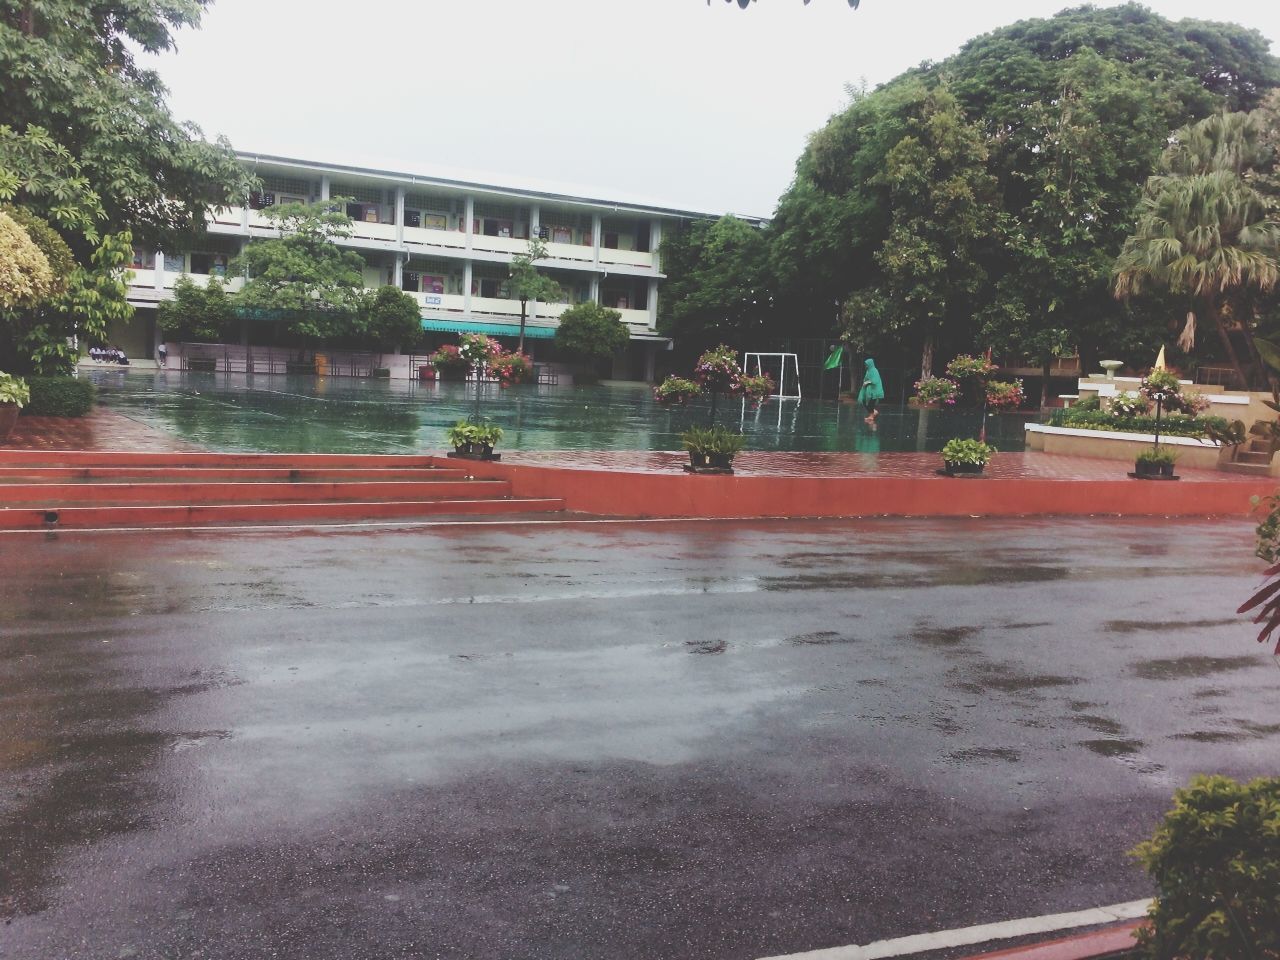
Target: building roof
(526, 188)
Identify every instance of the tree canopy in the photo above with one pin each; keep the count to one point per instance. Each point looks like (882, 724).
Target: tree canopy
(591, 333)
(982, 200)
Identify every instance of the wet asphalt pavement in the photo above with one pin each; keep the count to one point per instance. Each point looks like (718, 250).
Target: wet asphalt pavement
(626, 741)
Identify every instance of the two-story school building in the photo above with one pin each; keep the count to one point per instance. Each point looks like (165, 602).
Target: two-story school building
(449, 243)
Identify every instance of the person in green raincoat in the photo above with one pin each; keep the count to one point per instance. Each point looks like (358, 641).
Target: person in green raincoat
(872, 391)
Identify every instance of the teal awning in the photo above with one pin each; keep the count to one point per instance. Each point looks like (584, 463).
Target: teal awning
(492, 329)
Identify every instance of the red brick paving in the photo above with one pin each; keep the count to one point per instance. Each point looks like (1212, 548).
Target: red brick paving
(102, 429)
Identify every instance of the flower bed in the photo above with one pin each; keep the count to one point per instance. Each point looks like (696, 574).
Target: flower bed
(1174, 425)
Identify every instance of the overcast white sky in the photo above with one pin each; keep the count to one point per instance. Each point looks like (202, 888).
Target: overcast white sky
(703, 107)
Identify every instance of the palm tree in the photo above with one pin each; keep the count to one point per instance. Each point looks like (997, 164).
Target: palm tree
(1204, 231)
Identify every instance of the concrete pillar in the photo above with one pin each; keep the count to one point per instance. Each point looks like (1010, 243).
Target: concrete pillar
(594, 292)
(595, 238)
(653, 305)
(397, 273)
(470, 214)
(324, 187)
(466, 279)
(650, 358)
(399, 218)
(158, 272)
(655, 241)
(535, 220)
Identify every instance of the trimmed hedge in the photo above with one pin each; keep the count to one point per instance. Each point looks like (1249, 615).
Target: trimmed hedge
(1173, 425)
(59, 397)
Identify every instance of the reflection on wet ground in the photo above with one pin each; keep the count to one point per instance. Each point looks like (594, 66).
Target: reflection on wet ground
(641, 740)
(343, 414)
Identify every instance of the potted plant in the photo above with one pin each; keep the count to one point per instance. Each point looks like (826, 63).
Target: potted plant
(449, 363)
(711, 449)
(961, 457)
(675, 391)
(696, 440)
(1155, 463)
(512, 368)
(1004, 394)
(14, 393)
(756, 389)
(474, 441)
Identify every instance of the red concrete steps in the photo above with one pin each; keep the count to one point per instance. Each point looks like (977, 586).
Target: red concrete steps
(35, 474)
(197, 515)
(97, 489)
(68, 494)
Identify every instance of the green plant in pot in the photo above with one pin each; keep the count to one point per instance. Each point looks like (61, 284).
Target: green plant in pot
(474, 441)
(712, 447)
(966, 456)
(14, 394)
(1157, 462)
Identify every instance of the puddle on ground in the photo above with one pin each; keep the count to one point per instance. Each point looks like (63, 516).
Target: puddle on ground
(1007, 679)
(707, 646)
(1100, 724)
(942, 636)
(1134, 626)
(1179, 668)
(1113, 748)
(1245, 730)
(820, 638)
(984, 754)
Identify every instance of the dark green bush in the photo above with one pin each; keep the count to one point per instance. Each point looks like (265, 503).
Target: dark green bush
(59, 397)
(1171, 426)
(1216, 863)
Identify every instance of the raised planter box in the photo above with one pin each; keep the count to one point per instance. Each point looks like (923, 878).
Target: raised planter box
(1193, 454)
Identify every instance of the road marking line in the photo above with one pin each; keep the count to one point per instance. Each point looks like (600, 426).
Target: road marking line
(967, 936)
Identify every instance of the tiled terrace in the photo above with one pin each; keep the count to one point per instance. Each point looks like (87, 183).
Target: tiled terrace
(102, 429)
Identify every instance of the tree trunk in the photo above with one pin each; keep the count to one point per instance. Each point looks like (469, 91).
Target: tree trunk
(926, 359)
(1220, 322)
(520, 347)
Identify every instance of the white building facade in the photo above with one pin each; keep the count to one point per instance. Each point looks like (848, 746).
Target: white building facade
(449, 244)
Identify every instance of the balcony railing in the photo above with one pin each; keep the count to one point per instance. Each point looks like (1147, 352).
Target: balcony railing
(425, 237)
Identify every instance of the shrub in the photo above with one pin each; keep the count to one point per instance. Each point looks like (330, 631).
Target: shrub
(1160, 382)
(716, 439)
(1216, 863)
(973, 452)
(1175, 425)
(1190, 402)
(59, 397)
(937, 390)
(590, 333)
(1091, 402)
(14, 390)
(1128, 405)
(676, 390)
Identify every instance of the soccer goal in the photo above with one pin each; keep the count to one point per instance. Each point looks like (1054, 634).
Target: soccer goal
(783, 367)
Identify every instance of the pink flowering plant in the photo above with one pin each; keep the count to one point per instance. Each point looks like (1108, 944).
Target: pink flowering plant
(1163, 384)
(937, 391)
(512, 368)
(1004, 394)
(718, 371)
(964, 367)
(1126, 404)
(448, 357)
(757, 390)
(477, 349)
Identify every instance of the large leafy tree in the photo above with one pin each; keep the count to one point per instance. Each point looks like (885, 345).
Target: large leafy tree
(590, 333)
(528, 284)
(942, 216)
(719, 289)
(302, 277)
(388, 318)
(85, 128)
(199, 314)
(1074, 112)
(1205, 232)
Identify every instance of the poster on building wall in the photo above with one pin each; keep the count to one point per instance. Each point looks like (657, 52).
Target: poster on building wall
(435, 221)
(562, 235)
(433, 284)
(370, 214)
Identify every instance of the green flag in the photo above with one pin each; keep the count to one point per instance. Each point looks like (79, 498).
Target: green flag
(833, 361)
